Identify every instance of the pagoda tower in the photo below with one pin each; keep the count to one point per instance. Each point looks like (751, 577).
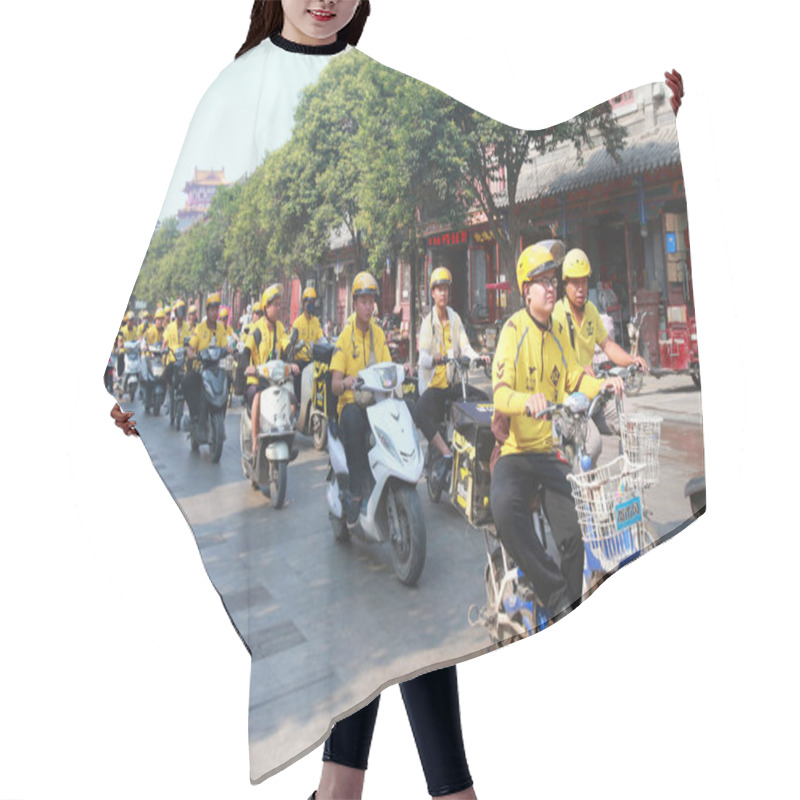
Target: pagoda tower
(200, 191)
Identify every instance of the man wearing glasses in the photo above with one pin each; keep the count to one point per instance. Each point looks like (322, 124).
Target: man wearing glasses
(535, 366)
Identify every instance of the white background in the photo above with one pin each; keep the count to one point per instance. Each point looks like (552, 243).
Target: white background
(120, 675)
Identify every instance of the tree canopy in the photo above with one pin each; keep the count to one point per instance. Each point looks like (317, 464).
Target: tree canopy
(373, 153)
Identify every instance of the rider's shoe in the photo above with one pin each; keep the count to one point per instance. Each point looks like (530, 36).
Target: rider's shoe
(352, 510)
(441, 470)
(560, 604)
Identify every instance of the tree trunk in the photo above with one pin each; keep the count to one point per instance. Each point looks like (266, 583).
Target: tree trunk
(412, 310)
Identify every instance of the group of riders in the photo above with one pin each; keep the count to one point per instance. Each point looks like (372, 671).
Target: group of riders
(544, 353)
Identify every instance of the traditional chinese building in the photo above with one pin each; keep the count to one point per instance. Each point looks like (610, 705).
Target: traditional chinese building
(199, 193)
(628, 214)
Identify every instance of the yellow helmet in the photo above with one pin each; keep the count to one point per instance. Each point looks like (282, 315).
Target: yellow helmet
(213, 299)
(129, 316)
(160, 314)
(224, 313)
(441, 276)
(257, 307)
(192, 310)
(179, 305)
(537, 259)
(309, 294)
(576, 264)
(364, 283)
(145, 314)
(271, 293)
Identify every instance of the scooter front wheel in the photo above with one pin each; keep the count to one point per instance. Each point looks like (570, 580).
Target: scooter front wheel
(278, 478)
(319, 432)
(217, 423)
(406, 533)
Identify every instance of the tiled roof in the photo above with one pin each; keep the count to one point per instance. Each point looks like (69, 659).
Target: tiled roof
(559, 172)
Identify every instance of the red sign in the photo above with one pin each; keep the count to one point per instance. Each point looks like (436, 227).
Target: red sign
(443, 239)
(622, 100)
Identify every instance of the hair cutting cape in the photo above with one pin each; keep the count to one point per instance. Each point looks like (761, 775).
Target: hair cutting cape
(304, 166)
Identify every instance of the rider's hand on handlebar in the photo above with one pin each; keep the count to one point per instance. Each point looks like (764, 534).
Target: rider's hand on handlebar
(535, 404)
(295, 369)
(122, 419)
(640, 362)
(350, 381)
(615, 385)
(438, 358)
(250, 370)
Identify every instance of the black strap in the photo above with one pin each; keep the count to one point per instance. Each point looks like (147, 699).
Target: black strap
(571, 332)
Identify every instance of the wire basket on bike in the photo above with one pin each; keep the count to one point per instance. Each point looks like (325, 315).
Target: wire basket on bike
(610, 511)
(641, 439)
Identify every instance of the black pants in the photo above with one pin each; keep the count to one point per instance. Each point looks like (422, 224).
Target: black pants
(194, 395)
(514, 480)
(430, 408)
(355, 437)
(431, 702)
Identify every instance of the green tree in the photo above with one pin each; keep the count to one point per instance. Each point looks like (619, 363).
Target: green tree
(413, 169)
(497, 152)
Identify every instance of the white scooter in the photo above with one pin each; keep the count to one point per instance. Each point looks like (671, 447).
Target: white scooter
(131, 377)
(270, 471)
(393, 508)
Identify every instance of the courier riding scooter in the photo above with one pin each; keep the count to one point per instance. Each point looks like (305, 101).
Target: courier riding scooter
(269, 469)
(393, 511)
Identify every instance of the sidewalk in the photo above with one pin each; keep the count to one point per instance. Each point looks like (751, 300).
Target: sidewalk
(675, 398)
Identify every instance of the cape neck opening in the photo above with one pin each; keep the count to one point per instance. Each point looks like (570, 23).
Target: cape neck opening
(308, 49)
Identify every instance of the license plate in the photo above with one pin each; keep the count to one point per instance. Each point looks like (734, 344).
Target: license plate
(628, 513)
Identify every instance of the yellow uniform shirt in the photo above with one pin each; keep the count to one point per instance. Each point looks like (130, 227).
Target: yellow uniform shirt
(153, 335)
(356, 350)
(202, 336)
(142, 329)
(174, 337)
(273, 342)
(309, 331)
(439, 379)
(129, 334)
(529, 361)
(581, 338)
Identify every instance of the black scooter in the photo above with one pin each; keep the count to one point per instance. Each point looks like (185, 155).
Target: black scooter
(209, 427)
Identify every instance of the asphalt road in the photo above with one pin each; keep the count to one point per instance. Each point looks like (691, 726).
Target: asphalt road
(328, 621)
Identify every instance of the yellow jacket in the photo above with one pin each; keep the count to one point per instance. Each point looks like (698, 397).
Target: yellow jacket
(532, 359)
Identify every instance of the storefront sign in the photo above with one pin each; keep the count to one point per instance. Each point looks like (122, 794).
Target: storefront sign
(481, 237)
(443, 239)
(623, 102)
